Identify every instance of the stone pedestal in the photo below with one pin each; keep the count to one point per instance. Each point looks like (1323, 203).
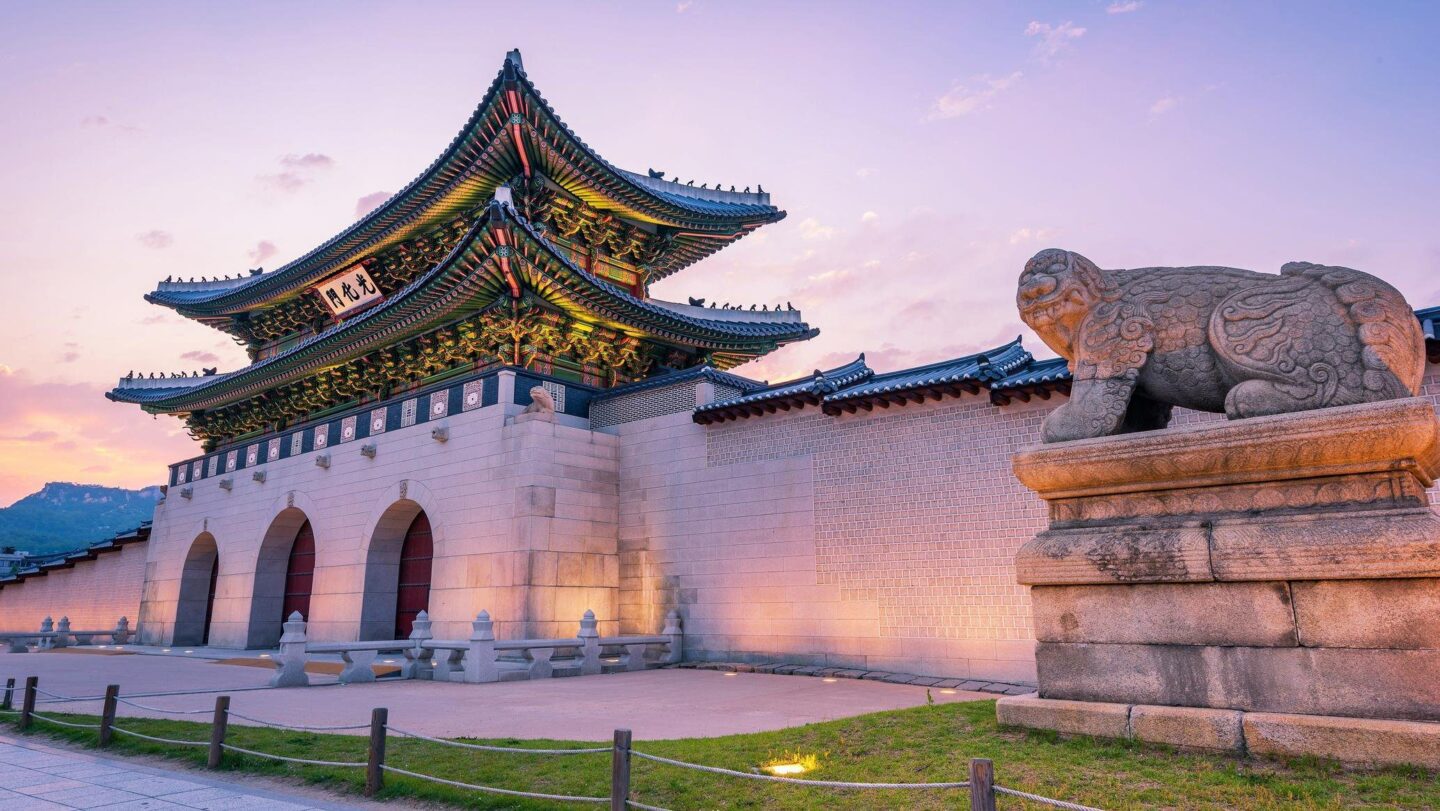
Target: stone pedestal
(1270, 584)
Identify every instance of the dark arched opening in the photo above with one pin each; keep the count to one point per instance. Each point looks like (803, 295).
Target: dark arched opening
(284, 577)
(195, 607)
(397, 572)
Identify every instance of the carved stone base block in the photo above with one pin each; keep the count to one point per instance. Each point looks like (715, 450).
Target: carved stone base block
(1219, 580)
(1369, 741)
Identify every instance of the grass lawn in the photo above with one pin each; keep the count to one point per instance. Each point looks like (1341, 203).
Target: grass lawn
(929, 743)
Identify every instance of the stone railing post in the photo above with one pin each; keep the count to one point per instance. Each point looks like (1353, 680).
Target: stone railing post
(589, 645)
(121, 636)
(480, 661)
(675, 651)
(290, 663)
(417, 659)
(62, 633)
(47, 626)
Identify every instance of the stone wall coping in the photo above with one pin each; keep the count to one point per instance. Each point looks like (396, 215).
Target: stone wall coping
(1367, 438)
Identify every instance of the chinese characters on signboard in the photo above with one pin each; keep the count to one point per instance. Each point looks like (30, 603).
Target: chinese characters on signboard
(348, 292)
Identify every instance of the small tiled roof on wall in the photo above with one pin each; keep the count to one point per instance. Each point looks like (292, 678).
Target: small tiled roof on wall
(45, 564)
(965, 374)
(808, 390)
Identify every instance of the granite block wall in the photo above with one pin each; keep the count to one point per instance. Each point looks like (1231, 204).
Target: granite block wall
(93, 593)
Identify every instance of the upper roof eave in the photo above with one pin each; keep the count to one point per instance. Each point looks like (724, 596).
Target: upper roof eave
(681, 206)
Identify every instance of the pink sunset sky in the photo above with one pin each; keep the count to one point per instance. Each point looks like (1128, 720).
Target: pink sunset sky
(923, 151)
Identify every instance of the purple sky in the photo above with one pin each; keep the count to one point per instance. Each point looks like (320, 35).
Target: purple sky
(923, 151)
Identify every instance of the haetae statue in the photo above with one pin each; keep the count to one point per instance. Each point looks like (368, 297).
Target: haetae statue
(1216, 339)
(541, 401)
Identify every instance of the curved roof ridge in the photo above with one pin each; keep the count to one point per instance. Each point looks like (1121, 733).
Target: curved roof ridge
(305, 269)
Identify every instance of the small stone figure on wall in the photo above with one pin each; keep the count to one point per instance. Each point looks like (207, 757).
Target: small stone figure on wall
(1216, 339)
(541, 401)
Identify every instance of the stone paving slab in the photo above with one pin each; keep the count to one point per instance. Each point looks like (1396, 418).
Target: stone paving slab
(655, 704)
(41, 777)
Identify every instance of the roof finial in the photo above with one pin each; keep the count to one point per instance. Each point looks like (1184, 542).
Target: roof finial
(513, 57)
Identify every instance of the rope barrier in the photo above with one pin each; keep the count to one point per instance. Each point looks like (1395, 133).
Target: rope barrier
(483, 748)
(492, 790)
(1036, 798)
(140, 706)
(297, 727)
(232, 748)
(63, 723)
(794, 781)
(114, 728)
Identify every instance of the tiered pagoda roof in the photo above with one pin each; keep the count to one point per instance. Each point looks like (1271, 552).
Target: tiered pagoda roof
(520, 245)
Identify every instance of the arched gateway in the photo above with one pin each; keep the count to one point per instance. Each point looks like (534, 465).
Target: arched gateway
(398, 568)
(284, 577)
(196, 605)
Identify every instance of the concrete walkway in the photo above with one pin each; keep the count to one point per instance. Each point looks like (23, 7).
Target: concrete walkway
(38, 777)
(654, 704)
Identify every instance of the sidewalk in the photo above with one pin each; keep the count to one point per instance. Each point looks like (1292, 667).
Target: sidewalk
(35, 776)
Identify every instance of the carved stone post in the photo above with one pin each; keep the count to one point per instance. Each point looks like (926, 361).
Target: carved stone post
(290, 663)
(62, 633)
(122, 632)
(47, 626)
(417, 658)
(480, 662)
(589, 645)
(675, 652)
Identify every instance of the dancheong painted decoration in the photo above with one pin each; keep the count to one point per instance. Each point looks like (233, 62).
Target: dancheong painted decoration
(519, 246)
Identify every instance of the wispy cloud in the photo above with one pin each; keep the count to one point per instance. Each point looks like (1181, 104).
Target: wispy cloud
(1021, 236)
(1123, 6)
(1163, 105)
(683, 6)
(53, 430)
(370, 202)
(100, 122)
(200, 357)
(811, 229)
(296, 171)
(264, 249)
(156, 239)
(970, 97)
(1052, 40)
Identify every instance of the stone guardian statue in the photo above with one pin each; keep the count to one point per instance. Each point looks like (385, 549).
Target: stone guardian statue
(1215, 339)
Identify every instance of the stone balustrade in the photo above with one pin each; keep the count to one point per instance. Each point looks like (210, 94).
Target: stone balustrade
(52, 636)
(481, 658)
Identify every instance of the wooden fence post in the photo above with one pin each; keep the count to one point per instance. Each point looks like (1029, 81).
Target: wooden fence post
(620, 770)
(375, 762)
(9, 691)
(27, 705)
(218, 726)
(107, 714)
(982, 784)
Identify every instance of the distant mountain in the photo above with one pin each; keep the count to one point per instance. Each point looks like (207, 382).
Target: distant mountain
(65, 516)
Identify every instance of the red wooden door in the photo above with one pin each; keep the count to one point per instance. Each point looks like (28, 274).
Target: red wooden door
(413, 595)
(300, 574)
(210, 600)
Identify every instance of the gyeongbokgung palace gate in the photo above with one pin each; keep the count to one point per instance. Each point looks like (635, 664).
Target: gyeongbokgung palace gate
(468, 400)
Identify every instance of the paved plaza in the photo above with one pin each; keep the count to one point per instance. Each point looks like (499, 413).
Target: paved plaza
(35, 776)
(654, 704)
